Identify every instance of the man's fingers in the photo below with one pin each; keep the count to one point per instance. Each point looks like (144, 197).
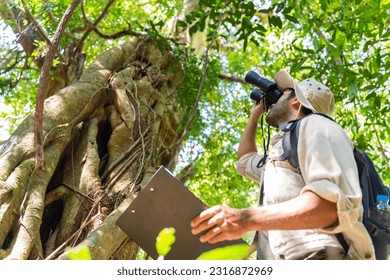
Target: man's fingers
(215, 235)
(217, 224)
(208, 224)
(205, 215)
(211, 235)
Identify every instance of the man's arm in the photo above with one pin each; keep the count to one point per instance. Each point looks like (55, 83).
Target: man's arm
(248, 138)
(332, 172)
(307, 211)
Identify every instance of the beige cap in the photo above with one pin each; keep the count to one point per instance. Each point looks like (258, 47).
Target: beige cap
(310, 93)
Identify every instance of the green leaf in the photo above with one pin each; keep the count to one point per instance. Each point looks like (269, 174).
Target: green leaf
(181, 24)
(260, 29)
(288, 10)
(324, 5)
(276, 21)
(233, 252)
(297, 65)
(352, 91)
(377, 101)
(164, 241)
(246, 23)
(291, 18)
(81, 253)
(316, 43)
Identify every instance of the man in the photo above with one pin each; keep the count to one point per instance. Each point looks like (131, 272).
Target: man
(302, 209)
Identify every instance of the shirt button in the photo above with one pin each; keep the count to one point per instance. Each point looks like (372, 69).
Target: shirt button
(282, 257)
(367, 255)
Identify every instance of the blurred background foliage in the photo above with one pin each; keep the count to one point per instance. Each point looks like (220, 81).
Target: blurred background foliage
(344, 44)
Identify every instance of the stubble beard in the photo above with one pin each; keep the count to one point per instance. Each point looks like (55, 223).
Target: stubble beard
(278, 114)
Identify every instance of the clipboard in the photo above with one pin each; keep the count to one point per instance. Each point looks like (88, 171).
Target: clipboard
(166, 202)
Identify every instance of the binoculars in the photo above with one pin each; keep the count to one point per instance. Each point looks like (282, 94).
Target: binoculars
(266, 89)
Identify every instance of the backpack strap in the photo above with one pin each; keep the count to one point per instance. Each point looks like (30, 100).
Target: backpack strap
(290, 143)
(290, 140)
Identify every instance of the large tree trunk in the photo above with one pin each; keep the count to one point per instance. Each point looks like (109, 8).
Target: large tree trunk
(105, 135)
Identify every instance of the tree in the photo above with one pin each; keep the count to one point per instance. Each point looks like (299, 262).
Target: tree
(104, 134)
(152, 89)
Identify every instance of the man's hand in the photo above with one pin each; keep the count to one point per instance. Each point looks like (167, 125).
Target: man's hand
(257, 110)
(220, 223)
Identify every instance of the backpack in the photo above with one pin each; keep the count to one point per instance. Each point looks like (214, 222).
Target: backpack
(370, 183)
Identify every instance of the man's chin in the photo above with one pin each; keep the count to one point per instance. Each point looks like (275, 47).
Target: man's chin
(271, 121)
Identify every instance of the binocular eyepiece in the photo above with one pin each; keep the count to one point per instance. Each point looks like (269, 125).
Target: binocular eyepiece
(266, 89)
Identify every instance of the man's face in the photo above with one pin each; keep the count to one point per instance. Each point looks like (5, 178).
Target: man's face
(279, 112)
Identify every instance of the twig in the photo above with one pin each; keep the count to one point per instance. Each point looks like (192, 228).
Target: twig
(383, 152)
(78, 192)
(7, 60)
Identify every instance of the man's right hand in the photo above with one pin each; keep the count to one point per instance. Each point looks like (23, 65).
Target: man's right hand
(257, 110)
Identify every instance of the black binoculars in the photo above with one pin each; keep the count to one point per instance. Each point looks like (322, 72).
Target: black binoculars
(266, 89)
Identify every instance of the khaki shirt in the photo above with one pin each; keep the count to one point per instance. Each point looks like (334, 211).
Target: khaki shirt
(328, 169)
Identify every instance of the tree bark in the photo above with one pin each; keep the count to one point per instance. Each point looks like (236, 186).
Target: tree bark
(104, 136)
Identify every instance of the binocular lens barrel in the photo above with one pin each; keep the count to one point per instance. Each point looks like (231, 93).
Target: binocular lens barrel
(266, 88)
(257, 94)
(253, 78)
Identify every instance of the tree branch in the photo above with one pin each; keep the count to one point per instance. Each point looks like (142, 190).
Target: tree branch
(12, 54)
(43, 82)
(91, 28)
(115, 35)
(38, 27)
(230, 77)
(35, 23)
(383, 150)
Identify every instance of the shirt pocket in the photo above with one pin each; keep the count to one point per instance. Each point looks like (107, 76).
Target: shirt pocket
(281, 183)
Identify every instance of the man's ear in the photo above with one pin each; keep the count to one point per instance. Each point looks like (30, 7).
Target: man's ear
(295, 103)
